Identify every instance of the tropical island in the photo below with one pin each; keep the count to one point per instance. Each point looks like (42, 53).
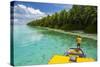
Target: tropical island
(79, 17)
(44, 30)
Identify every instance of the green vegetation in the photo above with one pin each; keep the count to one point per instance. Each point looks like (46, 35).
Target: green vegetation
(77, 18)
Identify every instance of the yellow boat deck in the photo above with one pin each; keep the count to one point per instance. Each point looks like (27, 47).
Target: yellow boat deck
(58, 59)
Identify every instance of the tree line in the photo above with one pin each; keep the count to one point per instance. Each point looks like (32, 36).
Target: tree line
(77, 18)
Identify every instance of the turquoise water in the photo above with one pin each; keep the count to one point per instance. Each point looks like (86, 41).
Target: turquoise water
(34, 45)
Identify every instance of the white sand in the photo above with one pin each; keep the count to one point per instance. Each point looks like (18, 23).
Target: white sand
(81, 33)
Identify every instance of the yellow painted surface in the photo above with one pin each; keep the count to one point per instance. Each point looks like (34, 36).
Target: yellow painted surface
(84, 60)
(57, 59)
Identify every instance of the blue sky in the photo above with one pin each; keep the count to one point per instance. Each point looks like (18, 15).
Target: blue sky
(27, 11)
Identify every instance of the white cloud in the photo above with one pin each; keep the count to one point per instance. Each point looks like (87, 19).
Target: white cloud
(24, 14)
(22, 6)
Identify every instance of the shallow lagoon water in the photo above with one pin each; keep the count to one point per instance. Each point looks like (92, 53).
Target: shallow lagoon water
(36, 45)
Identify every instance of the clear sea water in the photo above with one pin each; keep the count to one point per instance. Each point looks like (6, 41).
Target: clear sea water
(35, 45)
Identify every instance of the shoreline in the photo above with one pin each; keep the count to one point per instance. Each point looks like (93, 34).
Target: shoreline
(81, 33)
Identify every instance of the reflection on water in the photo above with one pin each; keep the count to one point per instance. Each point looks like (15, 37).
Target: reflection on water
(38, 45)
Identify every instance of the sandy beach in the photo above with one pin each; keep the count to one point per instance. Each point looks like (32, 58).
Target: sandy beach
(81, 33)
